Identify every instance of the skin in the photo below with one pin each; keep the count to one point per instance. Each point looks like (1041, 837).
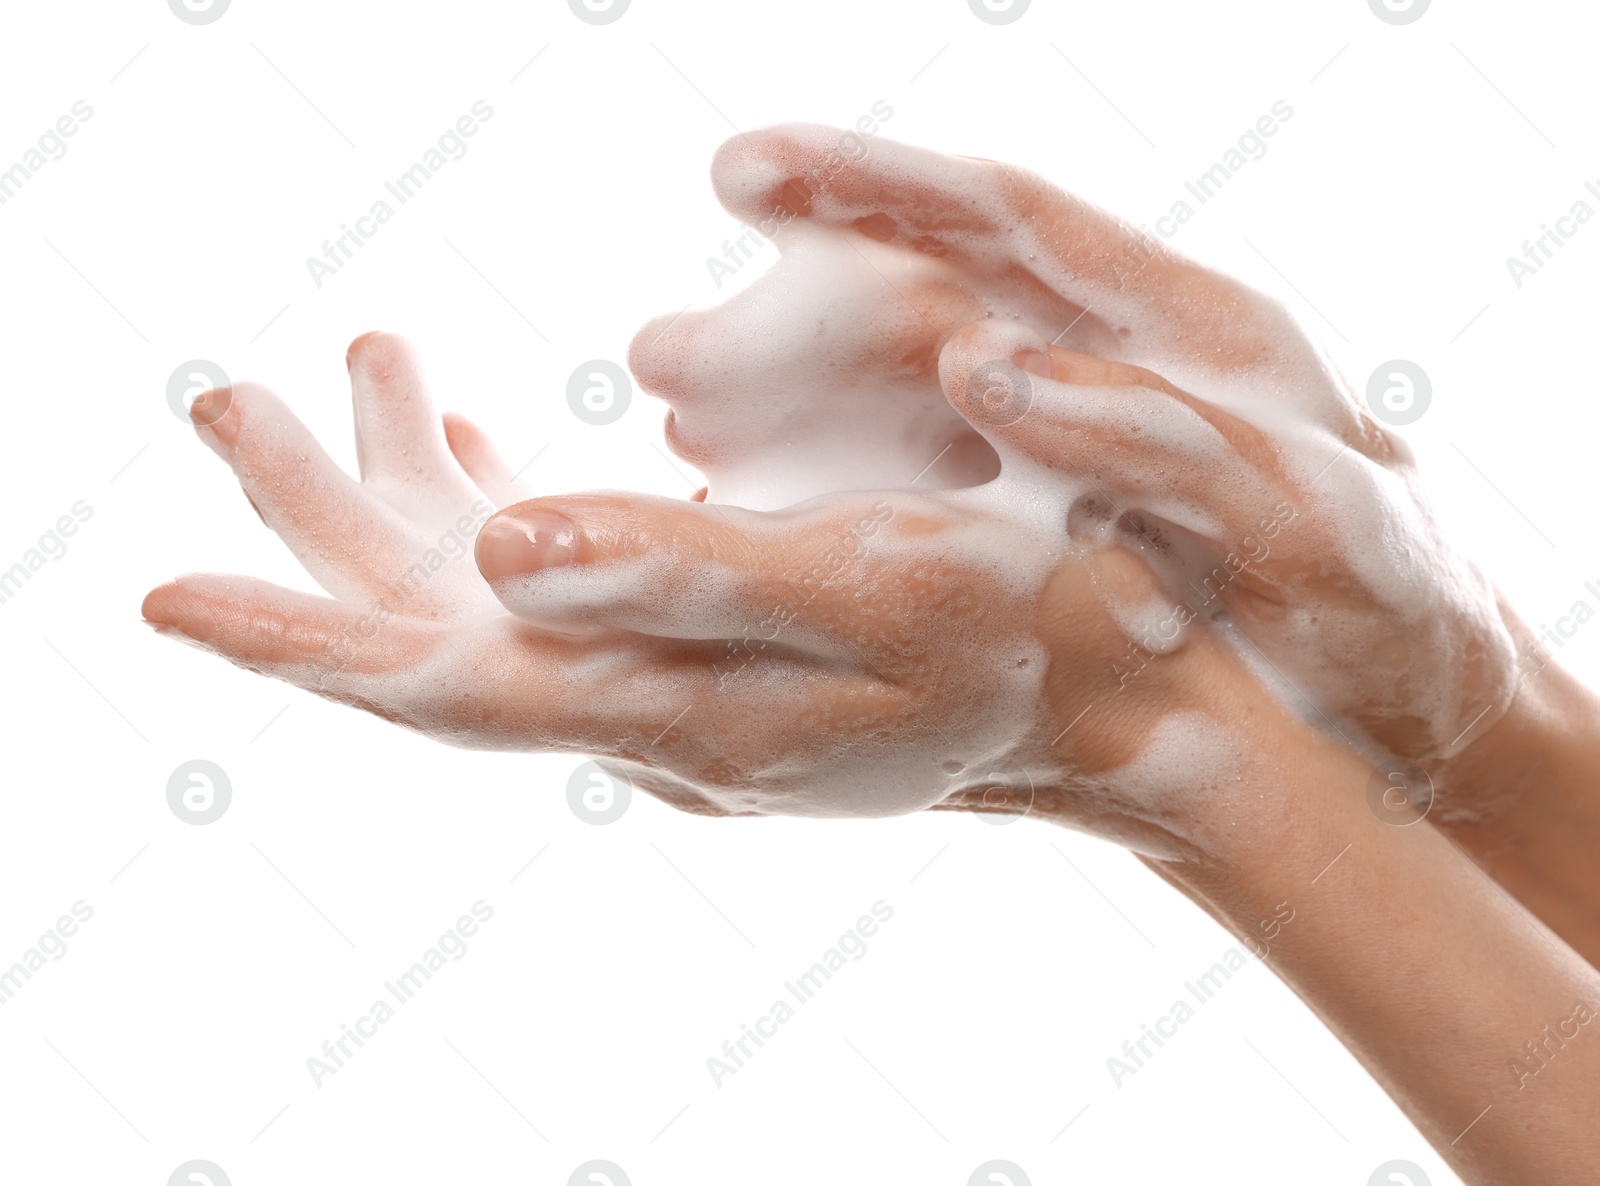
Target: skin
(1203, 402)
(583, 678)
(1444, 988)
(1509, 736)
(1522, 802)
(871, 619)
(910, 655)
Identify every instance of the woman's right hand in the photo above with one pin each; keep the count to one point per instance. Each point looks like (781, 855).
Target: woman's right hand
(1211, 434)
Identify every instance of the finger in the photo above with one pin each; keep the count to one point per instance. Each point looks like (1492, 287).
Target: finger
(845, 339)
(591, 563)
(773, 178)
(475, 685)
(400, 442)
(995, 218)
(482, 462)
(351, 542)
(310, 641)
(1118, 429)
(881, 317)
(502, 684)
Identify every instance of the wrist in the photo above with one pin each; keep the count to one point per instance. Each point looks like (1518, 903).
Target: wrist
(1309, 797)
(1230, 800)
(1536, 756)
(1521, 800)
(1191, 762)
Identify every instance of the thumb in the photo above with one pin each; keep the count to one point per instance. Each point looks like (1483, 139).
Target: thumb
(585, 564)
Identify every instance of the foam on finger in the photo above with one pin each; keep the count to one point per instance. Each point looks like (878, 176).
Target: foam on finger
(1269, 501)
(400, 442)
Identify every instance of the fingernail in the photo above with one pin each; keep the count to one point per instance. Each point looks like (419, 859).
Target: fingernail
(522, 542)
(350, 354)
(1035, 362)
(208, 409)
(172, 607)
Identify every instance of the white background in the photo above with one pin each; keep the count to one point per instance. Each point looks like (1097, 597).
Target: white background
(177, 226)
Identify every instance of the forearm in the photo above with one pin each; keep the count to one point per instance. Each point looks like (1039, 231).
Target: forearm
(1480, 1023)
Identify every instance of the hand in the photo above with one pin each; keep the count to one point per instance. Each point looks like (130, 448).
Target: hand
(1221, 434)
(394, 535)
(412, 632)
(896, 649)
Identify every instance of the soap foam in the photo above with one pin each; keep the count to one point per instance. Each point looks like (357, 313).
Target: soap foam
(914, 663)
(822, 377)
